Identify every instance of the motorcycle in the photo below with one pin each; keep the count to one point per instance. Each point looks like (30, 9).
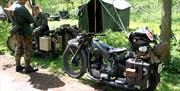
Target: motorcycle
(49, 45)
(136, 68)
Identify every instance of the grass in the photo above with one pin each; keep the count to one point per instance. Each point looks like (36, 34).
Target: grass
(54, 65)
(56, 24)
(169, 82)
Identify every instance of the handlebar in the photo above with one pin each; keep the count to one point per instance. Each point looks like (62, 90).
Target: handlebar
(90, 34)
(50, 32)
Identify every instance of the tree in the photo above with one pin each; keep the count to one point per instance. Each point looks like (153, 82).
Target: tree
(166, 32)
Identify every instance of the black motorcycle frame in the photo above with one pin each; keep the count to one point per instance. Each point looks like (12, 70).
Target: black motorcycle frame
(86, 45)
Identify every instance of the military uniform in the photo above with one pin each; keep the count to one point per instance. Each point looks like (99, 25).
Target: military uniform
(22, 19)
(40, 26)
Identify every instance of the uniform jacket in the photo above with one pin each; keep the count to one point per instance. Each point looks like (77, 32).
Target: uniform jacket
(22, 18)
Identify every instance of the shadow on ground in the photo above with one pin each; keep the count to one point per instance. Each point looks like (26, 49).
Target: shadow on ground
(45, 81)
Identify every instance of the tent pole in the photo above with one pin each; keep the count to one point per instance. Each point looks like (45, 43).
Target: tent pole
(95, 16)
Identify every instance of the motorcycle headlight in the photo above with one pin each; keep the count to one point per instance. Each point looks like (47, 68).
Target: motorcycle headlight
(74, 40)
(143, 48)
(79, 38)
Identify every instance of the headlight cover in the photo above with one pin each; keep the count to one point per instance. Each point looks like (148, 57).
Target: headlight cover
(74, 40)
(143, 48)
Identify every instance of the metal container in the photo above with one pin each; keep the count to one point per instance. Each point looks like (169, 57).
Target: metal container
(45, 43)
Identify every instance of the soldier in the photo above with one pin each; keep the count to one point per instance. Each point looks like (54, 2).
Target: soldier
(22, 21)
(40, 26)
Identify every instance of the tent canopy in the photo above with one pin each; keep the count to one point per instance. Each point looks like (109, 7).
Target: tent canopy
(100, 15)
(119, 4)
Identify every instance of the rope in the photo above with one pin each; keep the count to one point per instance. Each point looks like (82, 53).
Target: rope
(120, 19)
(122, 27)
(110, 14)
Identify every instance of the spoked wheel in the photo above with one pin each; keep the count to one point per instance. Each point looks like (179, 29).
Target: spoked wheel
(11, 44)
(77, 67)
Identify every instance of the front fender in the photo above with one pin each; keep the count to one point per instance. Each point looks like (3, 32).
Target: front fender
(83, 50)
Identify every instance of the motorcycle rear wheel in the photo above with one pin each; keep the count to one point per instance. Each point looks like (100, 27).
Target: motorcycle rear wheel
(77, 67)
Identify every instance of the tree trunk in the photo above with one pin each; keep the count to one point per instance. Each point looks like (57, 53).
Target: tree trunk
(166, 32)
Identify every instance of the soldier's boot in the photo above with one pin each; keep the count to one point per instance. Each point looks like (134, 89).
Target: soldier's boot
(19, 68)
(18, 64)
(28, 68)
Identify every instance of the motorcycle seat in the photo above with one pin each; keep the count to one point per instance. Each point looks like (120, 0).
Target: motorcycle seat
(117, 50)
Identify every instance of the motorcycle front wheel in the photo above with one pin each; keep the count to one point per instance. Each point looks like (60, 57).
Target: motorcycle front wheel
(154, 79)
(11, 44)
(74, 68)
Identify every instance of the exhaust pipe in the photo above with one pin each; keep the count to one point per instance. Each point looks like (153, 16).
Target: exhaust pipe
(115, 84)
(123, 86)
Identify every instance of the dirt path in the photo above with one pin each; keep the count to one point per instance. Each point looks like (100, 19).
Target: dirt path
(39, 81)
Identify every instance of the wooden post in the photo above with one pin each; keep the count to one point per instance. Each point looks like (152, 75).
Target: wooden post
(95, 16)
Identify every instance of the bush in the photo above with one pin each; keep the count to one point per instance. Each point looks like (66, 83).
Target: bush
(55, 6)
(115, 39)
(4, 32)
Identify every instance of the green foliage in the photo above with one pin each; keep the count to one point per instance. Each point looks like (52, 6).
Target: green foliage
(4, 32)
(55, 6)
(115, 39)
(144, 10)
(3, 2)
(169, 82)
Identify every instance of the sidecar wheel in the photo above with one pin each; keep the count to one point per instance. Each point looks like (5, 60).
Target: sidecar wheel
(76, 68)
(11, 44)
